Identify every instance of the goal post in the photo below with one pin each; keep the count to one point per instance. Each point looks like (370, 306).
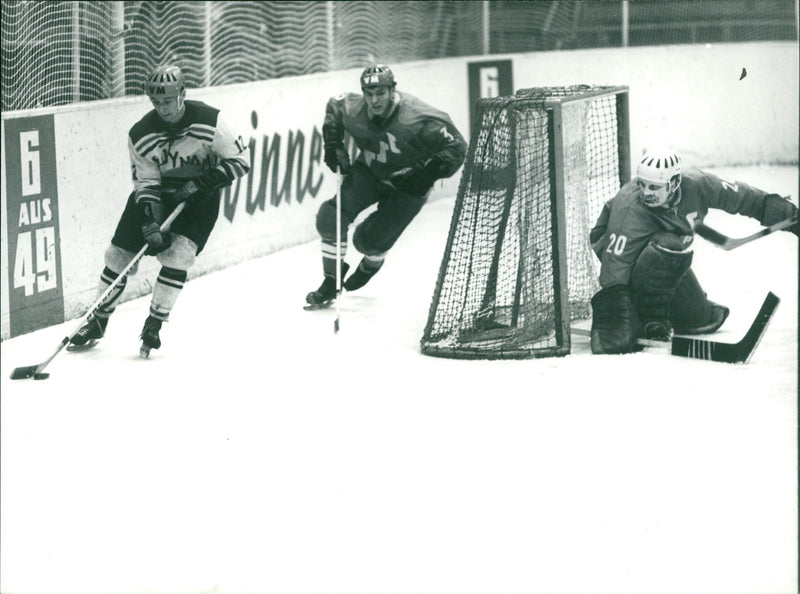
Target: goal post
(518, 266)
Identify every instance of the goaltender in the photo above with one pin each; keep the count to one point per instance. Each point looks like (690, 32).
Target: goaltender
(643, 238)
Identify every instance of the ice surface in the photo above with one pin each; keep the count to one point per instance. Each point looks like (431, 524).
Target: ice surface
(257, 451)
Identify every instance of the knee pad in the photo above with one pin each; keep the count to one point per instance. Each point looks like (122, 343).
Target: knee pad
(365, 243)
(116, 259)
(326, 221)
(180, 255)
(371, 240)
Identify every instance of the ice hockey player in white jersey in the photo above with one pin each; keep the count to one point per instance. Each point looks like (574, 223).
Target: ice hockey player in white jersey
(643, 238)
(405, 145)
(180, 151)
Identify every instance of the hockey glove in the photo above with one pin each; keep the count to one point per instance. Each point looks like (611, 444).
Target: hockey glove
(418, 180)
(337, 159)
(152, 213)
(777, 209)
(202, 187)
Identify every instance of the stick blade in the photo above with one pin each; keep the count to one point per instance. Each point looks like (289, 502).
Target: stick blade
(739, 352)
(24, 372)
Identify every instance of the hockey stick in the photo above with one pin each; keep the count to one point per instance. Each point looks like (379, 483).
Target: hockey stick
(729, 243)
(35, 371)
(709, 350)
(338, 251)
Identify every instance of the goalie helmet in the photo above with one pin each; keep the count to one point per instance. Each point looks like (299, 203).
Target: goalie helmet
(659, 174)
(165, 81)
(377, 75)
(659, 166)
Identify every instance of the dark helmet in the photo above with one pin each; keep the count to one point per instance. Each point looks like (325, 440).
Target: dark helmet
(165, 81)
(377, 75)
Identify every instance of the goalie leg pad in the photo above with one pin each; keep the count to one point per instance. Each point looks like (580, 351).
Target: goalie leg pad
(692, 312)
(615, 324)
(655, 276)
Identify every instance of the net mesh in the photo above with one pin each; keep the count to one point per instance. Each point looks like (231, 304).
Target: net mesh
(59, 52)
(54, 53)
(509, 260)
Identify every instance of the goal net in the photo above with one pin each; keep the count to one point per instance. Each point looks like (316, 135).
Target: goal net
(518, 265)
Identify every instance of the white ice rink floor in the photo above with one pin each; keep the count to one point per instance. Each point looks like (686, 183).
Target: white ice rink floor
(259, 452)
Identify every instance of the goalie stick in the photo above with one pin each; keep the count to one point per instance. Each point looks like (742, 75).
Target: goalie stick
(35, 371)
(710, 350)
(729, 243)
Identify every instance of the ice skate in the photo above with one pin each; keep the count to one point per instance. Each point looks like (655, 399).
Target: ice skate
(150, 337)
(89, 334)
(361, 276)
(325, 296)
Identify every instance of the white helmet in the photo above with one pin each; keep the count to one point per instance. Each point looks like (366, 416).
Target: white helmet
(659, 166)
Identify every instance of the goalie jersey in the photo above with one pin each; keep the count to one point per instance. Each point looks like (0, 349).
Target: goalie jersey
(410, 134)
(626, 225)
(164, 156)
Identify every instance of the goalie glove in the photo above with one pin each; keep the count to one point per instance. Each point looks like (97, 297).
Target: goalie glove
(337, 159)
(152, 215)
(777, 209)
(202, 187)
(418, 180)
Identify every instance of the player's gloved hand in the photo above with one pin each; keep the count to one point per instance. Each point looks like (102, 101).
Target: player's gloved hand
(777, 209)
(418, 180)
(202, 187)
(152, 212)
(337, 159)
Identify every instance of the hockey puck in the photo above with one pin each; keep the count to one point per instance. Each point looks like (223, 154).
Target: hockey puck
(40, 376)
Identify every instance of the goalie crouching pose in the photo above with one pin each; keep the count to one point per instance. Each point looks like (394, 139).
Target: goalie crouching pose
(643, 238)
(405, 145)
(180, 151)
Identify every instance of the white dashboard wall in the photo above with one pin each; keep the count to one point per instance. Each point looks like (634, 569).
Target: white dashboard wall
(693, 97)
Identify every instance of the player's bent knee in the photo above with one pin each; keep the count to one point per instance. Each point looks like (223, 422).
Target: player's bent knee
(366, 244)
(117, 259)
(180, 255)
(326, 219)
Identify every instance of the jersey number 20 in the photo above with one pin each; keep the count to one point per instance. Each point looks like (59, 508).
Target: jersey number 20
(616, 244)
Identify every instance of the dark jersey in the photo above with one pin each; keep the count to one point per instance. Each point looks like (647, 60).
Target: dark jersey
(626, 225)
(409, 135)
(165, 155)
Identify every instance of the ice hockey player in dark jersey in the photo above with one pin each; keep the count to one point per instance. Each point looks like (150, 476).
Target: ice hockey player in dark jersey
(644, 237)
(182, 150)
(405, 145)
